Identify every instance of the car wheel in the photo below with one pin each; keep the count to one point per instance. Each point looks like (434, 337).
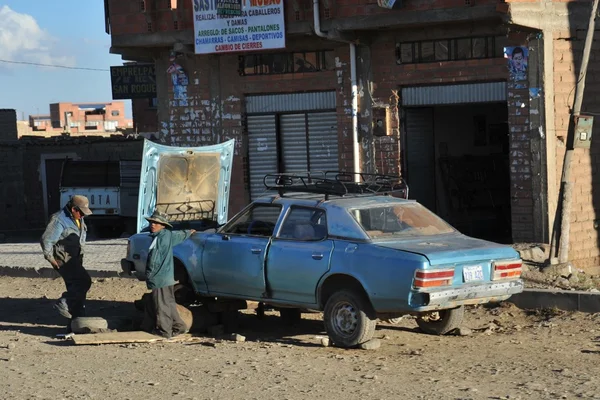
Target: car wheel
(441, 322)
(347, 319)
(184, 294)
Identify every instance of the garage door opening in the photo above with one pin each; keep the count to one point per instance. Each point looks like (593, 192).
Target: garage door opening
(457, 165)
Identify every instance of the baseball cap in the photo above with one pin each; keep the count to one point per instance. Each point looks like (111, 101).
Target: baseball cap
(82, 203)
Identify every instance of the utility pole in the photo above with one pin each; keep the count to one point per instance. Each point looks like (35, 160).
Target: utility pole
(566, 191)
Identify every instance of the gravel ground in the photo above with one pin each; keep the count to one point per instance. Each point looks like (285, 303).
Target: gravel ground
(506, 353)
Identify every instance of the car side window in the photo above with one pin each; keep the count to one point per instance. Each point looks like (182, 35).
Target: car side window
(259, 220)
(305, 224)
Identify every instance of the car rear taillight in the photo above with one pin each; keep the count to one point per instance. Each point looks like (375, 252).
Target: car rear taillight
(507, 269)
(433, 278)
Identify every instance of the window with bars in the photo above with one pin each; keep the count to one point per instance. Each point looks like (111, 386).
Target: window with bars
(286, 63)
(468, 48)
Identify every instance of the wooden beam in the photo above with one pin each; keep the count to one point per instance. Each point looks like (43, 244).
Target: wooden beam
(128, 337)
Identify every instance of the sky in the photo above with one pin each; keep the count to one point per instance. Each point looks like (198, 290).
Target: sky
(60, 32)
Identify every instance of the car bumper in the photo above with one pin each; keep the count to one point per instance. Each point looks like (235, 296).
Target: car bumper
(475, 294)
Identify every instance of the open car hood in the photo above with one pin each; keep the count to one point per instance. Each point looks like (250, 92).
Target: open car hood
(186, 183)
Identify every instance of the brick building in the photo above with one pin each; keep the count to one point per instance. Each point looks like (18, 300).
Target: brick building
(468, 99)
(85, 117)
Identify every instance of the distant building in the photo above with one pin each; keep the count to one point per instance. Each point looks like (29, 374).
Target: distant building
(40, 123)
(85, 117)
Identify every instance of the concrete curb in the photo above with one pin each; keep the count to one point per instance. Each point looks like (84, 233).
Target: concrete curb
(568, 300)
(47, 272)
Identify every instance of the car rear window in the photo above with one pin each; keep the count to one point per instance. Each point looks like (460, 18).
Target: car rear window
(398, 220)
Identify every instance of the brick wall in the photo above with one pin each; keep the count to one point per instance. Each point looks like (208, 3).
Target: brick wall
(584, 249)
(127, 17)
(12, 201)
(8, 125)
(389, 77)
(145, 117)
(214, 110)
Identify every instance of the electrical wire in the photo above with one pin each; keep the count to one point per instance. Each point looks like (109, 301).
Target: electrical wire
(52, 65)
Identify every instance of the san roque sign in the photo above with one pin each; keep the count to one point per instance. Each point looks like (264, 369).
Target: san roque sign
(134, 81)
(260, 26)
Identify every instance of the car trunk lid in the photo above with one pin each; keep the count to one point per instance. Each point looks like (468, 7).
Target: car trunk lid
(451, 248)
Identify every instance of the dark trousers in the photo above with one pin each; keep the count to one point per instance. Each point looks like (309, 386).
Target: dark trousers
(78, 282)
(162, 316)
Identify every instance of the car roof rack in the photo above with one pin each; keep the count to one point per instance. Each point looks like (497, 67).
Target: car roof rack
(336, 183)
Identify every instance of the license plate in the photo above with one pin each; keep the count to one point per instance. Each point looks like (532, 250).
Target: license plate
(473, 273)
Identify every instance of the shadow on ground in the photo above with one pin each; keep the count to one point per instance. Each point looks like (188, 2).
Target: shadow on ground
(37, 317)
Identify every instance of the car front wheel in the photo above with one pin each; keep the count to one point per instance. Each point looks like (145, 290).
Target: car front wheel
(347, 319)
(442, 321)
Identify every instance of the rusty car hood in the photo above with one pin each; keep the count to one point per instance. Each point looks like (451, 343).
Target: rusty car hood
(186, 183)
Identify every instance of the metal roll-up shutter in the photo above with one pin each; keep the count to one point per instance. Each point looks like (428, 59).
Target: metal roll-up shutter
(323, 141)
(293, 142)
(262, 151)
(487, 92)
(420, 156)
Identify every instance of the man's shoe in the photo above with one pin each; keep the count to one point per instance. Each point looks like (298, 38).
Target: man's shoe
(61, 307)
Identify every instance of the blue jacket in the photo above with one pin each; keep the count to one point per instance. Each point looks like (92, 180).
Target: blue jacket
(63, 239)
(160, 271)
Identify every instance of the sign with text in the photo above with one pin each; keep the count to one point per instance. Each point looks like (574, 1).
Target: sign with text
(391, 4)
(260, 26)
(229, 7)
(134, 81)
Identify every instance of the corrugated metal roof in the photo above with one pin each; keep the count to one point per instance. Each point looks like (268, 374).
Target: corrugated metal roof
(454, 94)
(290, 102)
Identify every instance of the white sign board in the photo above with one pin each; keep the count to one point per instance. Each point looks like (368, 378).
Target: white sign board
(260, 27)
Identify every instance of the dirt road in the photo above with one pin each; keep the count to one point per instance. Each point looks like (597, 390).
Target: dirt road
(510, 354)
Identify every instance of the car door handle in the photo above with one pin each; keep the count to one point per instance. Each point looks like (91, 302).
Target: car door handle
(317, 256)
(256, 251)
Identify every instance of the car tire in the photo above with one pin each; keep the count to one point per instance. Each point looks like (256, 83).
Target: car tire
(184, 294)
(347, 318)
(445, 321)
(89, 325)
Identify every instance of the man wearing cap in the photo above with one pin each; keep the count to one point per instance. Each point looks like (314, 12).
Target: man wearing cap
(63, 244)
(162, 317)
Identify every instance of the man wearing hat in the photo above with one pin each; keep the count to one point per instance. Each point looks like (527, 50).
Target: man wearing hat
(162, 317)
(63, 244)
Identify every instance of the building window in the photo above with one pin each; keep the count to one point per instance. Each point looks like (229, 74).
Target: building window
(115, 113)
(149, 26)
(143, 5)
(153, 102)
(286, 63)
(450, 49)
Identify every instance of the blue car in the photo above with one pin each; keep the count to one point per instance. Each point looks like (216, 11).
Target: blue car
(344, 244)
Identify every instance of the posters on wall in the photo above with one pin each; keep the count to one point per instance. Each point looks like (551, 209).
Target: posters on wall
(180, 81)
(260, 26)
(517, 62)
